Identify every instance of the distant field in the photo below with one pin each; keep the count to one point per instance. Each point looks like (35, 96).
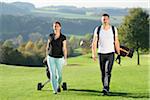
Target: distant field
(129, 81)
(66, 15)
(55, 13)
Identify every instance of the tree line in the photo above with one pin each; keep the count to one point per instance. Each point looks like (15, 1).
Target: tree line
(133, 32)
(30, 53)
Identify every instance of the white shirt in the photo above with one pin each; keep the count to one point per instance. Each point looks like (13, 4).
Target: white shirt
(106, 40)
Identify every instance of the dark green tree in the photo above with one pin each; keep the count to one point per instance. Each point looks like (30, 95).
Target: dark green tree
(135, 29)
(10, 55)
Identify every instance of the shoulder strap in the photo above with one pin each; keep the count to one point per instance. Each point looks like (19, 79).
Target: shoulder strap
(113, 29)
(98, 30)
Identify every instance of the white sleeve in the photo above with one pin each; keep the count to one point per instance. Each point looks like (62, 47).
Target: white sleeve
(95, 31)
(116, 32)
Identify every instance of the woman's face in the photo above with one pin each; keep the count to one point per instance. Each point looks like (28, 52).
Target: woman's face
(56, 27)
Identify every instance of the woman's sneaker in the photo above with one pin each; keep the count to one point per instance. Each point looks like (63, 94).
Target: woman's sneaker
(54, 92)
(58, 89)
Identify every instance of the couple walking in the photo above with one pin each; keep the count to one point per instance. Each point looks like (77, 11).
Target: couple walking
(103, 37)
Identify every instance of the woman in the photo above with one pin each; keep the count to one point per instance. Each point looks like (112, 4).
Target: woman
(56, 52)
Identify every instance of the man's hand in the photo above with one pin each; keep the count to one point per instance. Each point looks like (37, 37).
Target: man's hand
(118, 59)
(94, 57)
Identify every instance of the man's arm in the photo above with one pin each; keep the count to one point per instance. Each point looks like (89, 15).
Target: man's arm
(117, 45)
(94, 47)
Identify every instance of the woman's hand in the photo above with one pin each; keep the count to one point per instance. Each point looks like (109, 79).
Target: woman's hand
(65, 62)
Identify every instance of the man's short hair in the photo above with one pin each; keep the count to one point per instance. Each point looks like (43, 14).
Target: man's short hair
(105, 15)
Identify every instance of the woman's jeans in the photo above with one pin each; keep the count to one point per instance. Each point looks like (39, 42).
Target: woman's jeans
(55, 67)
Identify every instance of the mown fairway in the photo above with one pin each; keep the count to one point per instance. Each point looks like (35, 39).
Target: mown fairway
(129, 81)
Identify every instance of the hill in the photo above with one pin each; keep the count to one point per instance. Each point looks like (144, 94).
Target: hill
(20, 18)
(16, 8)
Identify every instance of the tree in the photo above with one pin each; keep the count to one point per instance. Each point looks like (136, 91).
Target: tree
(135, 29)
(7, 55)
(88, 36)
(73, 41)
(70, 50)
(40, 47)
(29, 46)
(21, 47)
(35, 36)
(19, 39)
(8, 43)
(85, 44)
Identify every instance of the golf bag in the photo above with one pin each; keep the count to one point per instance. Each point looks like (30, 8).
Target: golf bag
(124, 52)
(47, 69)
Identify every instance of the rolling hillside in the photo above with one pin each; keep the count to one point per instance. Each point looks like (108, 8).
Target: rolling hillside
(23, 19)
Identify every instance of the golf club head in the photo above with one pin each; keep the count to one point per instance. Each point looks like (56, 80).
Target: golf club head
(39, 86)
(64, 86)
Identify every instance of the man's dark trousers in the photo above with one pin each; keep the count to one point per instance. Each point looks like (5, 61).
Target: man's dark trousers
(106, 62)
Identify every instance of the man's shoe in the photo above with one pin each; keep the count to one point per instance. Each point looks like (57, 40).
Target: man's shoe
(105, 92)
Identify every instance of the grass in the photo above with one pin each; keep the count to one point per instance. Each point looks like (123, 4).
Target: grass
(129, 81)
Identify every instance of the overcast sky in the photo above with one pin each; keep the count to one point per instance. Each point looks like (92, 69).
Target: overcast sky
(88, 3)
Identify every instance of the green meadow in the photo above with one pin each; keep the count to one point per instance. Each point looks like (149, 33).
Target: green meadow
(82, 74)
(53, 12)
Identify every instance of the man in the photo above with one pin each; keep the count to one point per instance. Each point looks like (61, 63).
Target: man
(107, 44)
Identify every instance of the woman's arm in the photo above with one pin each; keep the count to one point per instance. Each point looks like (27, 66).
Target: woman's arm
(47, 47)
(65, 49)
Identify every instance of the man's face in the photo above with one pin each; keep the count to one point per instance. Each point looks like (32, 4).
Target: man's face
(105, 20)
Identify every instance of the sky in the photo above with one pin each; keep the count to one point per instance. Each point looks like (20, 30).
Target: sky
(88, 3)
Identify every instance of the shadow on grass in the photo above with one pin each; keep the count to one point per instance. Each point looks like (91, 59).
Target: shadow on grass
(130, 95)
(83, 90)
(75, 54)
(120, 94)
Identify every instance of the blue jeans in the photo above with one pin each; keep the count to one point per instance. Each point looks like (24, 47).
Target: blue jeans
(55, 67)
